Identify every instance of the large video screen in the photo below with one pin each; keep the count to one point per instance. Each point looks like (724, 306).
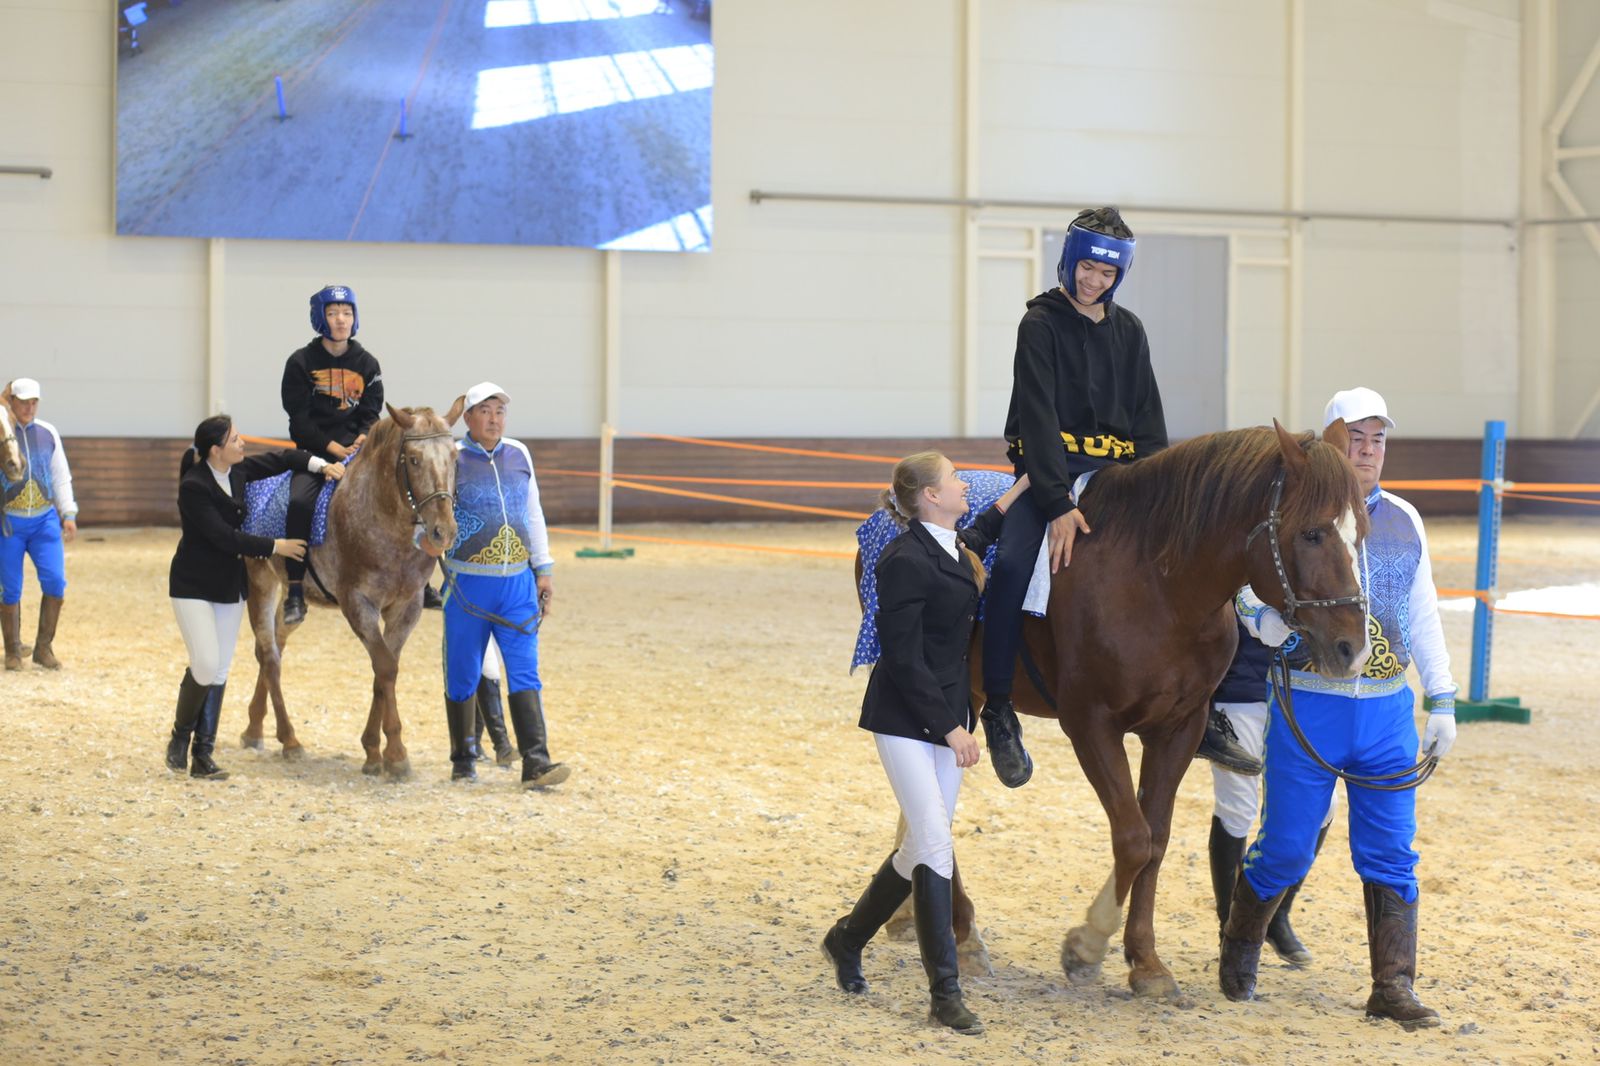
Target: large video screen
(550, 122)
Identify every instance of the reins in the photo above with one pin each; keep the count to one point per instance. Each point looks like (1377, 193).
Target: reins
(1279, 671)
(1279, 674)
(528, 627)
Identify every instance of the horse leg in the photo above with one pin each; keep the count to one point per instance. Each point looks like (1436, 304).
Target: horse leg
(267, 651)
(902, 925)
(1105, 763)
(399, 619)
(292, 749)
(1160, 770)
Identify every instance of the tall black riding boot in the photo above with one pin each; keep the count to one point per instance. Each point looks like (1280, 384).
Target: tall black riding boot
(527, 720)
(931, 902)
(1280, 934)
(1011, 761)
(461, 716)
(205, 737)
(843, 943)
(1227, 852)
(1221, 745)
(1392, 941)
(191, 695)
(492, 715)
(1242, 935)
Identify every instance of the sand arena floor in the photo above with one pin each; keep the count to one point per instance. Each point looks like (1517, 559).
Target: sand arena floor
(665, 904)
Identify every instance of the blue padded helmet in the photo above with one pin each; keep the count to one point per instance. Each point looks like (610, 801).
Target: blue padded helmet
(333, 294)
(1085, 240)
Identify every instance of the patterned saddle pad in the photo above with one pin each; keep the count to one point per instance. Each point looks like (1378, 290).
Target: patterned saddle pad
(266, 508)
(873, 535)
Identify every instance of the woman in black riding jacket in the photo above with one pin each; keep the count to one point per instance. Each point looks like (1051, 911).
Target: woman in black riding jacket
(207, 579)
(918, 707)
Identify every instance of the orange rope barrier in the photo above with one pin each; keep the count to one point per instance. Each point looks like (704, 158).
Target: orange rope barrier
(724, 480)
(269, 441)
(1483, 597)
(744, 500)
(818, 552)
(1552, 499)
(775, 449)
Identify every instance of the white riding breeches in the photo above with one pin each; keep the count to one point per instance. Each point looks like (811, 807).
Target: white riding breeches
(926, 781)
(1238, 796)
(210, 631)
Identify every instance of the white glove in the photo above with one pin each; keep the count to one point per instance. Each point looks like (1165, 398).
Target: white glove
(1271, 629)
(1440, 733)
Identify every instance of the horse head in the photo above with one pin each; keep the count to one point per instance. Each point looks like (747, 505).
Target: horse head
(1308, 564)
(10, 450)
(425, 467)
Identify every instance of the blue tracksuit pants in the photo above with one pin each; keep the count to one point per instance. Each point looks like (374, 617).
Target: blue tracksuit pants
(39, 538)
(1363, 736)
(466, 638)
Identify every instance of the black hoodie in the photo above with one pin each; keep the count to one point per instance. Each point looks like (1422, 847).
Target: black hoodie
(331, 398)
(1082, 396)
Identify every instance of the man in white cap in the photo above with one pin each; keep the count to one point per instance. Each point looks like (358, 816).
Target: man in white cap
(40, 514)
(1363, 726)
(498, 580)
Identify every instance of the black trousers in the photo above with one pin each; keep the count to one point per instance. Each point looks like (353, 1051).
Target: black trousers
(1014, 561)
(304, 488)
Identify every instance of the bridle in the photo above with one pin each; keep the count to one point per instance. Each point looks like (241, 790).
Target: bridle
(403, 475)
(1292, 603)
(1278, 675)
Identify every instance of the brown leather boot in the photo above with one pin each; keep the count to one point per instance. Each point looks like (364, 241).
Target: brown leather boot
(1242, 937)
(49, 615)
(1392, 940)
(11, 625)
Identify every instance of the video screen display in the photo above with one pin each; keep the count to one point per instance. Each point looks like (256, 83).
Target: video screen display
(546, 122)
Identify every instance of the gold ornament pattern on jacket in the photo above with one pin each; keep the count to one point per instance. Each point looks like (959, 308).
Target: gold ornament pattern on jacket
(504, 549)
(1384, 663)
(29, 499)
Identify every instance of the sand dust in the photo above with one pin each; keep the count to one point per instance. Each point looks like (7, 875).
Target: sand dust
(665, 904)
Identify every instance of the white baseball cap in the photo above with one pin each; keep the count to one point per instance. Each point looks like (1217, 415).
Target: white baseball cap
(1353, 405)
(25, 389)
(485, 390)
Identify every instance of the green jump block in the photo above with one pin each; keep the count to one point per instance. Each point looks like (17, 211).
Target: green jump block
(606, 553)
(1497, 709)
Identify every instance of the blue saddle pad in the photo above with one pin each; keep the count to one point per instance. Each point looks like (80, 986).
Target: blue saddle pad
(266, 508)
(873, 535)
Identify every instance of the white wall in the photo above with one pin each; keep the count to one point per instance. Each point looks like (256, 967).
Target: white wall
(837, 319)
(1577, 269)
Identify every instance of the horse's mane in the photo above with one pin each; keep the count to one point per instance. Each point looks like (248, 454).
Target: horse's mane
(1174, 503)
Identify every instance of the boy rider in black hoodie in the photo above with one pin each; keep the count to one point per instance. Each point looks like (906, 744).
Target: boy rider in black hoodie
(333, 393)
(1083, 395)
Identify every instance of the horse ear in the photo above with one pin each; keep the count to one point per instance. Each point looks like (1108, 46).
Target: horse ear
(1293, 457)
(1338, 435)
(402, 418)
(456, 408)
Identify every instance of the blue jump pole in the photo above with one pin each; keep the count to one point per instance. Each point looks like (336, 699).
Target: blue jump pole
(283, 112)
(1479, 706)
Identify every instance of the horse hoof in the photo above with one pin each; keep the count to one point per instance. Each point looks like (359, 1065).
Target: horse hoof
(372, 767)
(398, 771)
(1161, 986)
(972, 956)
(1078, 972)
(250, 743)
(1083, 947)
(294, 754)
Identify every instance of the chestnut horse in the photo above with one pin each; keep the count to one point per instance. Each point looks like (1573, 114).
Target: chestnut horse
(1140, 631)
(392, 516)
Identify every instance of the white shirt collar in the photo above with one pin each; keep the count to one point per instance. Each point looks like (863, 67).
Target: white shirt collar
(946, 539)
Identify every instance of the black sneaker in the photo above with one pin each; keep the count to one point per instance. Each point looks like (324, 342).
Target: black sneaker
(431, 600)
(1221, 745)
(1012, 763)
